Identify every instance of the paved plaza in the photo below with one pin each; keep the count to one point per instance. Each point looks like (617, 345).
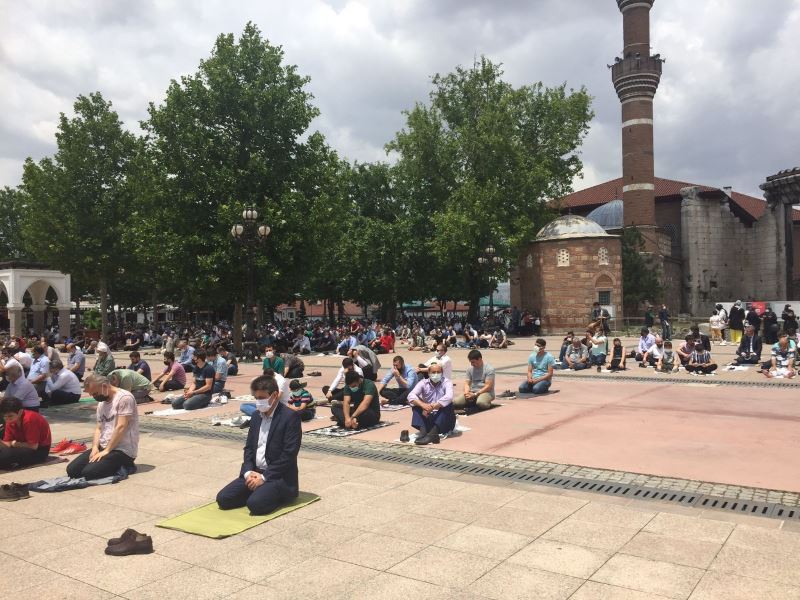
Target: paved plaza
(385, 530)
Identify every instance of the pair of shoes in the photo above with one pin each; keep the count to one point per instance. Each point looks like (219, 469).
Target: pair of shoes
(315, 374)
(73, 448)
(506, 394)
(599, 368)
(61, 446)
(130, 542)
(11, 492)
(430, 438)
(404, 436)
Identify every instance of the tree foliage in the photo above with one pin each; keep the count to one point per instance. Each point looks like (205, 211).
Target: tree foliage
(640, 279)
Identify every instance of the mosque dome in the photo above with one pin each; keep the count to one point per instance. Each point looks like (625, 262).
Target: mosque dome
(608, 215)
(570, 226)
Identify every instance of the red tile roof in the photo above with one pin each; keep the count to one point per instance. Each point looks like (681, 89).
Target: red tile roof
(612, 190)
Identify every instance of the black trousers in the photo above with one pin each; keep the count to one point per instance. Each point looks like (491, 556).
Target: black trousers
(105, 467)
(266, 497)
(396, 395)
(366, 419)
(13, 458)
(61, 397)
(294, 373)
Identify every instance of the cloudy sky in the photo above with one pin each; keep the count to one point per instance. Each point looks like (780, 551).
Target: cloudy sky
(727, 111)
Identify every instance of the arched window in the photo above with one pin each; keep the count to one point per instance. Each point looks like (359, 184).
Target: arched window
(562, 257)
(602, 256)
(529, 261)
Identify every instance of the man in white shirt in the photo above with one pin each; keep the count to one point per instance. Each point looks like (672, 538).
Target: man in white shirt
(24, 359)
(332, 391)
(116, 437)
(440, 358)
(62, 387)
(19, 387)
(268, 476)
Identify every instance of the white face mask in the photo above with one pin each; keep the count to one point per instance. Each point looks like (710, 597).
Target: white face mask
(269, 354)
(436, 377)
(265, 404)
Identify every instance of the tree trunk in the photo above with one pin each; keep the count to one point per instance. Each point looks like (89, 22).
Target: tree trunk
(340, 307)
(154, 302)
(104, 309)
(237, 328)
(331, 318)
(77, 313)
(474, 307)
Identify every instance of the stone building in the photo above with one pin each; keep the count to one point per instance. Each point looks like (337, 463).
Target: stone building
(709, 244)
(571, 263)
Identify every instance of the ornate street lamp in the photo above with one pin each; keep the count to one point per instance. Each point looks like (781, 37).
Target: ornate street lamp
(491, 261)
(250, 236)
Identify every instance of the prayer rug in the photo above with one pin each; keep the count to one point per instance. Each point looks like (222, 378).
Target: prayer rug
(212, 522)
(393, 407)
(336, 431)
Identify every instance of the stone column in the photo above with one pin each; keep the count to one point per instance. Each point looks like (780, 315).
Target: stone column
(782, 191)
(64, 326)
(15, 320)
(38, 318)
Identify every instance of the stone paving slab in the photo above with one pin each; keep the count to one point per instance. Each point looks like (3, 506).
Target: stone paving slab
(519, 543)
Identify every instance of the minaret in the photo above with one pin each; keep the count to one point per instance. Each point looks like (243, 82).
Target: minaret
(636, 76)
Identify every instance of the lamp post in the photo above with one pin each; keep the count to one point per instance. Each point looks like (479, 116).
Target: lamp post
(250, 235)
(490, 260)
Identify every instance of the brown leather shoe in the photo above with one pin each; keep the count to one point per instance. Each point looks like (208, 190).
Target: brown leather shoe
(128, 534)
(139, 544)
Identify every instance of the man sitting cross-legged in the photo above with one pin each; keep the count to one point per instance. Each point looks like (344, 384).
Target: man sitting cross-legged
(230, 360)
(220, 366)
(576, 357)
(431, 403)
(646, 341)
(173, 377)
(784, 354)
(540, 370)
(26, 440)
(332, 392)
(268, 476)
(62, 387)
(479, 384)
(139, 365)
(749, 350)
(116, 437)
(406, 378)
(198, 394)
(360, 406)
(19, 387)
(440, 358)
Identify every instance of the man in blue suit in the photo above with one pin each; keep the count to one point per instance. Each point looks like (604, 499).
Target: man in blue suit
(268, 478)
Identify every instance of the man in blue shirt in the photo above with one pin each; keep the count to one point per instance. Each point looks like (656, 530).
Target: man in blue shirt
(540, 371)
(185, 358)
(76, 361)
(406, 378)
(40, 370)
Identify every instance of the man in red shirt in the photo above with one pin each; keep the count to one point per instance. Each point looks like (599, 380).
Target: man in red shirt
(27, 436)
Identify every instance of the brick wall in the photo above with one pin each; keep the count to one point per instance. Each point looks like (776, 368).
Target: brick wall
(563, 296)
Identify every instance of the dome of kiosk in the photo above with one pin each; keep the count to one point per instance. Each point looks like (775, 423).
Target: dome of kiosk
(570, 226)
(608, 216)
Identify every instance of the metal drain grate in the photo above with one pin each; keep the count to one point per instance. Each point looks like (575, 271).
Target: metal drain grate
(564, 482)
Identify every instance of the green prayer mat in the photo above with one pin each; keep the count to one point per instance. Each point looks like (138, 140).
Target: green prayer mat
(87, 399)
(210, 521)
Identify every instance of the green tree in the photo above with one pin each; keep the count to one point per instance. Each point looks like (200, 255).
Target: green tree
(480, 161)
(75, 204)
(10, 210)
(232, 135)
(641, 280)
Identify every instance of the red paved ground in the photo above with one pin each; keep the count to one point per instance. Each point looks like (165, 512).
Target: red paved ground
(738, 435)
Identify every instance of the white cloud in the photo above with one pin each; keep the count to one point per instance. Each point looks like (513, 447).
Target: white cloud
(725, 113)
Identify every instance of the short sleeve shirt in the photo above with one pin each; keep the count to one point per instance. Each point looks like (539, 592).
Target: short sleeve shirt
(221, 368)
(34, 429)
(200, 375)
(541, 364)
(367, 388)
(121, 405)
(477, 377)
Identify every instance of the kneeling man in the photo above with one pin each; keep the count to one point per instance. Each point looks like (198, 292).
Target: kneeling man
(431, 401)
(268, 477)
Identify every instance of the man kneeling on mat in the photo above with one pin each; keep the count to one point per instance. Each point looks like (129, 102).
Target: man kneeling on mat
(431, 401)
(268, 477)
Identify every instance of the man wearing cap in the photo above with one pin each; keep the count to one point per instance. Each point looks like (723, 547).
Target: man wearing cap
(105, 361)
(268, 477)
(432, 408)
(300, 400)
